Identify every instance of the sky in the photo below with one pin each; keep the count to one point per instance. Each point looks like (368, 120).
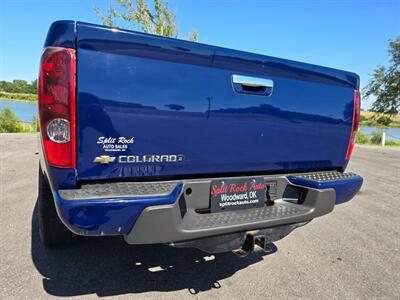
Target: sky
(350, 35)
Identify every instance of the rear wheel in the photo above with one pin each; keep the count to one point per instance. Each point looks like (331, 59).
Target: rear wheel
(52, 231)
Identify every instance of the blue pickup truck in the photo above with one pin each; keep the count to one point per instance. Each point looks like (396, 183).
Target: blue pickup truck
(161, 140)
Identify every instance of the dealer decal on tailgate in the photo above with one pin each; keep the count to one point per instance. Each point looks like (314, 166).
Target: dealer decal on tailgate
(237, 193)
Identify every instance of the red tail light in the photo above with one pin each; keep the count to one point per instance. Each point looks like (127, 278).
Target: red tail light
(57, 106)
(354, 127)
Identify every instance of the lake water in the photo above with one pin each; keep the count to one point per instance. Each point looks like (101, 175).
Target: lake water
(392, 134)
(24, 110)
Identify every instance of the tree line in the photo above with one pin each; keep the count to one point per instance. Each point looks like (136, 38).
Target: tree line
(19, 86)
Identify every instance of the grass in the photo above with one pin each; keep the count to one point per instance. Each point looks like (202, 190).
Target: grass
(18, 97)
(369, 118)
(376, 139)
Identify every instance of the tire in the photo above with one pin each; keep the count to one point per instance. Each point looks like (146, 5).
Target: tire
(53, 233)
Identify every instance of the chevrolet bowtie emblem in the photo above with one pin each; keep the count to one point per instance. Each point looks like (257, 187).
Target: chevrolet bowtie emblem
(104, 159)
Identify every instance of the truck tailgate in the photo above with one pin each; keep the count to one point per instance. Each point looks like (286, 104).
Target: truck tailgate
(158, 107)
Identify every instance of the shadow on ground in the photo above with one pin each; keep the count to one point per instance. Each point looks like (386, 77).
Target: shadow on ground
(108, 266)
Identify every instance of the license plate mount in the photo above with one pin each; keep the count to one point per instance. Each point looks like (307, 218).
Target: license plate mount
(237, 193)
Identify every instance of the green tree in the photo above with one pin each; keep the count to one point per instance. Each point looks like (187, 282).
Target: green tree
(384, 120)
(32, 88)
(158, 20)
(385, 83)
(9, 122)
(19, 86)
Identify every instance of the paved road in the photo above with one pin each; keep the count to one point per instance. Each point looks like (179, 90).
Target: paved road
(351, 253)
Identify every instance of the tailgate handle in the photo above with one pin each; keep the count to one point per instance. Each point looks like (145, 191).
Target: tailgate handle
(252, 85)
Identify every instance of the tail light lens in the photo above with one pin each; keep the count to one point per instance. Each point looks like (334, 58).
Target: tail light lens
(57, 106)
(355, 123)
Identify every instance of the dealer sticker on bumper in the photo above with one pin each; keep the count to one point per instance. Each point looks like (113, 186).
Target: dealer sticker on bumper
(237, 193)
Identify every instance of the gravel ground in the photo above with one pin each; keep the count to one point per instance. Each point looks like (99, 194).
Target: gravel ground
(351, 253)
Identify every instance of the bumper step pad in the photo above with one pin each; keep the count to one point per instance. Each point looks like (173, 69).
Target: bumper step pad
(120, 190)
(346, 185)
(326, 176)
(278, 211)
